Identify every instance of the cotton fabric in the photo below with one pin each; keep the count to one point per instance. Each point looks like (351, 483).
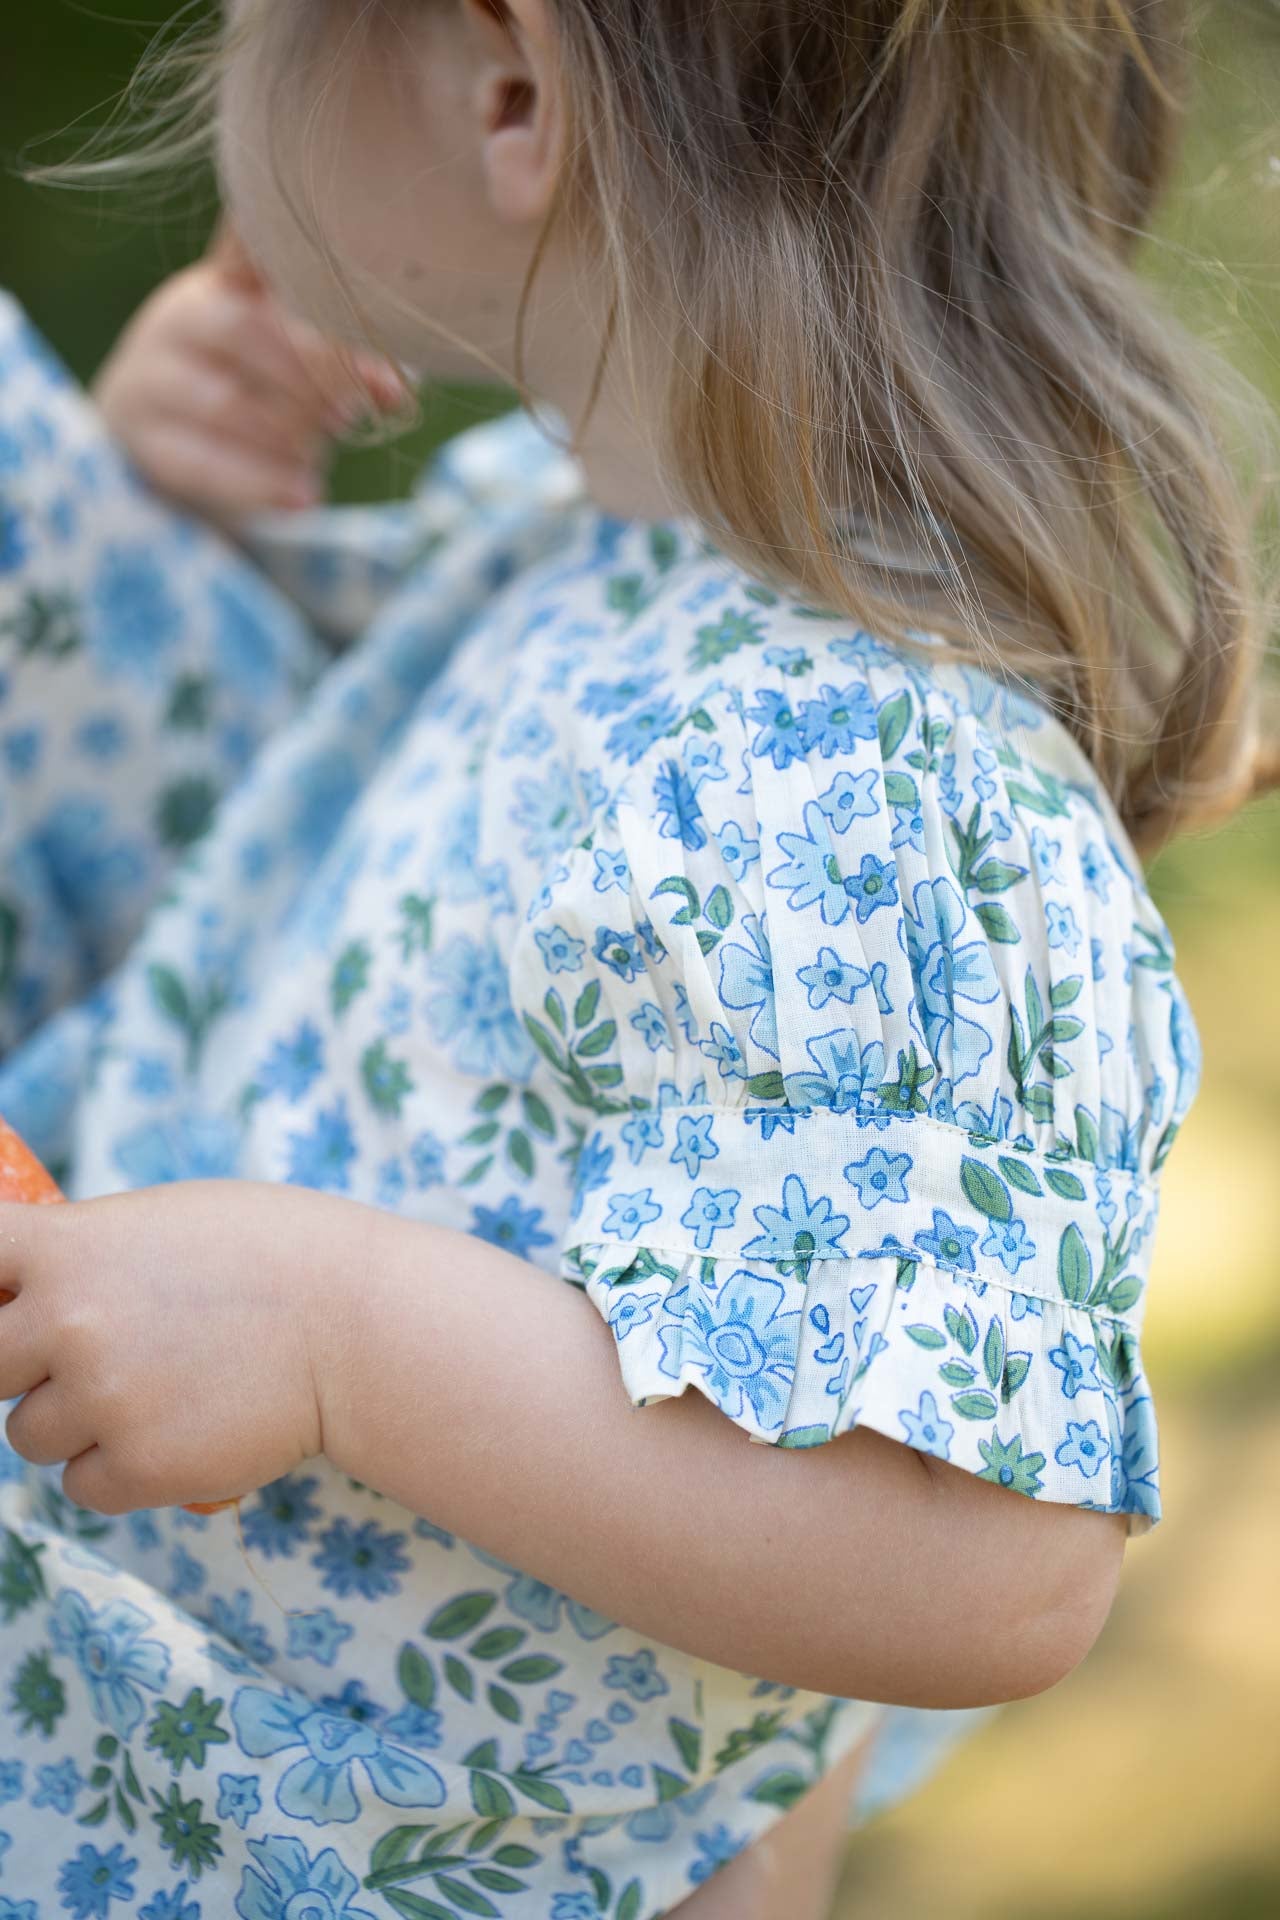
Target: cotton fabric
(515, 867)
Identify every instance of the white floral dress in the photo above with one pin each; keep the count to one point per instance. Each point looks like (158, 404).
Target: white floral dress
(798, 1000)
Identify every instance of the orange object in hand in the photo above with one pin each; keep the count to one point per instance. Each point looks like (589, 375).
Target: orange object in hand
(23, 1178)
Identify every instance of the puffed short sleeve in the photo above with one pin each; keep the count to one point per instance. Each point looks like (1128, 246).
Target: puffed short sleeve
(875, 1037)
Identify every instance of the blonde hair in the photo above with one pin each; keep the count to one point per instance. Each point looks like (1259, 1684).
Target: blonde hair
(892, 247)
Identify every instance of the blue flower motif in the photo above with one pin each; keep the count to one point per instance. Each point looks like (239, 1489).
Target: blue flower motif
(171, 1906)
(746, 980)
(612, 870)
(12, 1775)
(1061, 923)
(945, 973)
(426, 1161)
(948, 1245)
(317, 1635)
(1086, 1447)
(710, 1211)
(16, 1909)
(739, 1339)
(838, 719)
(132, 618)
(561, 951)
(1078, 1365)
(737, 850)
(926, 1430)
(620, 952)
(517, 1229)
(677, 806)
(874, 885)
(232, 1620)
(724, 1049)
(636, 1674)
(879, 1176)
(575, 1906)
(1045, 852)
(14, 544)
(779, 737)
(57, 1786)
(320, 1786)
(1096, 871)
(800, 1230)
(1010, 1243)
(472, 1014)
(322, 1158)
(239, 1797)
(294, 1065)
(832, 979)
(631, 1310)
(415, 1726)
(189, 1146)
(115, 1659)
(91, 1881)
(366, 1559)
(287, 1883)
(850, 797)
(715, 1849)
(633, 735)
(628, 1212)
(694, 1142)
(282, 1515)
(650, 1022)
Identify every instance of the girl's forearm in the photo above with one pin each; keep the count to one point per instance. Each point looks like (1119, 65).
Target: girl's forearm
(485, 1395)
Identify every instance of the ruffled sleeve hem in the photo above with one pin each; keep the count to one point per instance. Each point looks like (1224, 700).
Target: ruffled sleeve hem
(1043, 1396)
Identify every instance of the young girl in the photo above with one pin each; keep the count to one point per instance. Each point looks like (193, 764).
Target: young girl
(705, 876)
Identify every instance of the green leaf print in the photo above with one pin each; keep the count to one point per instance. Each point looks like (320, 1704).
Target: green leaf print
(184, 811)
(781, 1789)
(628, 1907)
(729, 634)
(1124, 1293)
(1019, 1174)
(892, 720)
(1075, 1267)
(495, 1645)
(767, 1086)
(416, 1676)
(504, 1702)
(997, 923)
(185, 1733)
(190, 703)
(676, 883)
(10, 934)
(45, 623)
(993, 1353)
(460, 1615)
(900, 790)
(416, 919)
(350, 976)
(985, 1190)
(531, 1669)
(926, 1336)
(37, 1697)
(21, 1579)
(962, 1327)
(974, 1406)
(688, 1740)
(491, 1800)
(386, 1080)
(1016, 1368)
(957, 1373)
(192, 1842)
(1067, 1186)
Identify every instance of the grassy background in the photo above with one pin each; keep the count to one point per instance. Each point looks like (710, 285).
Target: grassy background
(1147, 1785)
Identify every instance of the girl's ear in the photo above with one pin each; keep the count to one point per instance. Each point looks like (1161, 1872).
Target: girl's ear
(517, 103)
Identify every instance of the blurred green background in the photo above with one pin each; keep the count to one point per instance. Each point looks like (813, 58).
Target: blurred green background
(1148, 1784)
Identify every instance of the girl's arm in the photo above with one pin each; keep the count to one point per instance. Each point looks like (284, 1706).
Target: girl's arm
(486, 1395)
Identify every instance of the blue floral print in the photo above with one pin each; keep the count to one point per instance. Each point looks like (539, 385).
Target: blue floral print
(498, 862)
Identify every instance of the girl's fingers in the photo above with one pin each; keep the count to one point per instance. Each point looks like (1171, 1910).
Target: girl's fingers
(45, 1429)
(88, 1482)
(23, 1359)
(224, 476)
(215, 398)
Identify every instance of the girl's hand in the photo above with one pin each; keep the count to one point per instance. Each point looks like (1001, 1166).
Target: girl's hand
(164, 1340)
(224, 401)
